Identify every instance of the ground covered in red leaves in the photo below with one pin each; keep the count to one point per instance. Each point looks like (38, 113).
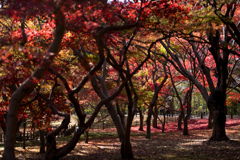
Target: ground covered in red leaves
(193, 124)
(171, 145)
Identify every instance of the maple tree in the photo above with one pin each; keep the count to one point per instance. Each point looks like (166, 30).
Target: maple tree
(157, 89)
(31, 82)
(49, 70)
(216, 73)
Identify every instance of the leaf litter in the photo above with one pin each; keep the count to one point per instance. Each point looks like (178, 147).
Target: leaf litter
(169, 145)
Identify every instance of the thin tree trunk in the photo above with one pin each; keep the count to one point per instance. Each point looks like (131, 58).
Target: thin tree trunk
(155, 116)
(154, 99)
(42, 141)
(188, 103)
(121, 113)
(164, 121)
(141, 119)
(148, 135)
(185, 127)
(180, 117)
(24, 131)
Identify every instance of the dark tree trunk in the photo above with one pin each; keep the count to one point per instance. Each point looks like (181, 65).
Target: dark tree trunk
(219, 120)
(42, 141)
(148, 135)
(141, 120)
(188, 102)
(180, 117)
(163, 127)
(24, 131)
(216, 105)
(121, 113)
(53, 153)
(164, 121)
(154, 99)
(124, 137)
(155, 116)
(126, 148)
(185, 127)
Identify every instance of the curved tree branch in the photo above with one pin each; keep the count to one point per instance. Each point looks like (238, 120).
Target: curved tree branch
(30, 83)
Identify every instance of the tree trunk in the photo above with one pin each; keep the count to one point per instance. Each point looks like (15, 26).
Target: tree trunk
(219, 120)
(164, 121)
(141, 120)
(163, 127)
(185, 125)
(216, 105)
(124, 137)
(180, 117)
(185, 118)
(155, 116)
(121, 113)
(148, 135)
(42, 141)
(24, 137)
(126, 148)
(28, 86)
(53, 153)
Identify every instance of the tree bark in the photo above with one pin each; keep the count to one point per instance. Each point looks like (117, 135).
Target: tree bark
(53, 153)
(163, 127)
(188, 103)
(121, 113)
(42, 141)
(148, 135)
(155, 116)
(180, 117)
(164, 121)
(216, 105)
(126, 147)
(219, 120)
(24, 137)
(141, 119)
(185, 127)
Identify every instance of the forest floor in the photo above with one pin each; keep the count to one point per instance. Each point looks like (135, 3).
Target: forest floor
(171, 145)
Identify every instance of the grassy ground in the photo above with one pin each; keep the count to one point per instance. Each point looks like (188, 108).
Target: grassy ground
(172, 145)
